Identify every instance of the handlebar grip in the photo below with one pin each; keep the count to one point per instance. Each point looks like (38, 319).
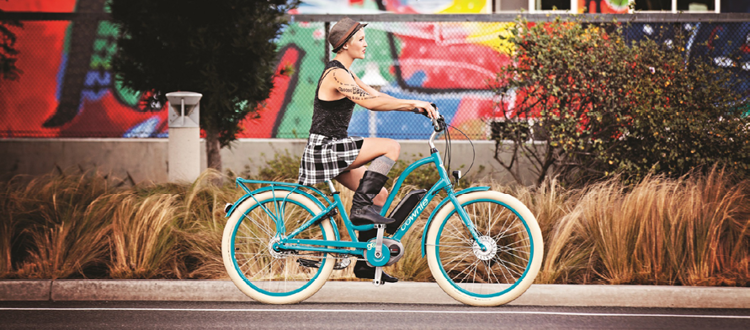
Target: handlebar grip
(424, 113)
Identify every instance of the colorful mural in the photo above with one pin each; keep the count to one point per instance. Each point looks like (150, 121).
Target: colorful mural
(67, 88)
(603, 6)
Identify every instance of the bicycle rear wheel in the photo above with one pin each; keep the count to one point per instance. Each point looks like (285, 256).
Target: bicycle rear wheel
(505, 269)
(260, 271)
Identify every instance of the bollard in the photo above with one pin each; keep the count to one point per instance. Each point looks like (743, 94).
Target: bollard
(184, 136)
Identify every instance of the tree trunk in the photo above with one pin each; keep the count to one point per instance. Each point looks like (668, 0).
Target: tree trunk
(213, 154)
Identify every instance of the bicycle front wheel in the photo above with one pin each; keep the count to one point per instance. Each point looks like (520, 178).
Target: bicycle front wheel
(501, 272)
(270, 275)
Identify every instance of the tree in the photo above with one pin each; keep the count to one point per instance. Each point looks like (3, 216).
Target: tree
(581, 103)
(8, 52)
(224, 50)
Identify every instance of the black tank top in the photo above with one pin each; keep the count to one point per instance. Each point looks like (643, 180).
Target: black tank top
(331, 118)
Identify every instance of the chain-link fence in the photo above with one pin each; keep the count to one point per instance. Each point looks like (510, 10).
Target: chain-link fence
(67, 88)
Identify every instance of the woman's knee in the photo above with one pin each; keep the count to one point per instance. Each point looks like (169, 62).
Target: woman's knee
(394, 150)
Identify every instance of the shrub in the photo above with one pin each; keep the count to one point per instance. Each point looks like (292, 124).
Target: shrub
(581, 103)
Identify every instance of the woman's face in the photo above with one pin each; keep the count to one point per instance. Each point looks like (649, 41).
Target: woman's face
(357, 45)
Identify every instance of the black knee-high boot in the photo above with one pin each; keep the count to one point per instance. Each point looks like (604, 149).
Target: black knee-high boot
(361, 269)
(362, 212)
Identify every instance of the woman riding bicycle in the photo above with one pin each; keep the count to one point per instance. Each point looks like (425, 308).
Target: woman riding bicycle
(332, 154)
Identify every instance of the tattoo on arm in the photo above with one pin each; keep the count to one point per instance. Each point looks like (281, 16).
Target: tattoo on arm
(353, 92)
(356, 92)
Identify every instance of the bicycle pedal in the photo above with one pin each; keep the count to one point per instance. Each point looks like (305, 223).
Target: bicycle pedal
(308, 263)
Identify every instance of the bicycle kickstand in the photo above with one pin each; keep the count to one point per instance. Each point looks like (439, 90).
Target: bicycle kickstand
(378, 253)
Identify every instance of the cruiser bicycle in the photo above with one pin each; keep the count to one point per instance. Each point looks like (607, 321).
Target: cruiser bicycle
(282, 241)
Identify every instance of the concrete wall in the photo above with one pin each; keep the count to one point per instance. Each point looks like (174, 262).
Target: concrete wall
(147, 159)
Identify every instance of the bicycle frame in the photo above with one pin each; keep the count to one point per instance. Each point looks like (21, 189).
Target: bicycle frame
(354, 247)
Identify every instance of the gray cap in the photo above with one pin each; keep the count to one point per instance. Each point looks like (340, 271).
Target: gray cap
(342, 32)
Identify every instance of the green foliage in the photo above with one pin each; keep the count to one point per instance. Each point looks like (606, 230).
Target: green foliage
(580, 103)
(283, 167)
(224, 50)
(683, 113)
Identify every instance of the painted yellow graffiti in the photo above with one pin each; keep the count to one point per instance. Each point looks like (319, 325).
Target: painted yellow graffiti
(465, 7)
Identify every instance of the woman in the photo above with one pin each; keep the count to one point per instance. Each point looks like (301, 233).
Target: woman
(332, 154)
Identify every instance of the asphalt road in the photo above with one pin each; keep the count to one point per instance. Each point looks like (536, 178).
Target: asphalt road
(250, 315)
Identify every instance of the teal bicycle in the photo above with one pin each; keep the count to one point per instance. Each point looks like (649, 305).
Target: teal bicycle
(281, 242)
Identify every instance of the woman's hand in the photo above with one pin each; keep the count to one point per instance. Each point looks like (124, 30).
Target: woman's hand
(426, 107)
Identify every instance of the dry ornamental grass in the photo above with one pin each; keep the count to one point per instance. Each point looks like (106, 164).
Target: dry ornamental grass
(687, 231)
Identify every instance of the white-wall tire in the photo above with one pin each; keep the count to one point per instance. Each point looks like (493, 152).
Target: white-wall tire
(495, 277)
(247, 228)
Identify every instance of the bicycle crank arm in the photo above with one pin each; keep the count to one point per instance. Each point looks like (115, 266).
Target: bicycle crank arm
(379, 240)
(378, 275)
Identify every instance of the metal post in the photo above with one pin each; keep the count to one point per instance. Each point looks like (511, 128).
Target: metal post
(184, 136)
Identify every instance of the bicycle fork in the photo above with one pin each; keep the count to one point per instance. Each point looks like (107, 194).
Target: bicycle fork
(467, 221)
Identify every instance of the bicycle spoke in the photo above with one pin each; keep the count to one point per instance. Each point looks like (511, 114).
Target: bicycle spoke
(505, 263)
(252, 238)
(504, 233)
(462, 255)
(492, 271)
(459, 231)
(518, 257)
(447, 246)
(271, 273)
(503, 272)
(260, 226)
(464, 270)
(475, 267)
(494, 221)
(501, 230)
(456, 264)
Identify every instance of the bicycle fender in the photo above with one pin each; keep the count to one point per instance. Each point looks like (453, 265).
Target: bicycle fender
(282, 188)
(435, 211)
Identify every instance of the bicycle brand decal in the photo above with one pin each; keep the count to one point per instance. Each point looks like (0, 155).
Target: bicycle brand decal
(414, 215)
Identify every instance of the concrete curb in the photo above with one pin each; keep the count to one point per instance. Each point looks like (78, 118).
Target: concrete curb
(365, 292)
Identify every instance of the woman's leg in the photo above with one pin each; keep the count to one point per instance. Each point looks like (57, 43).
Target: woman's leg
(371, 148)
(351, 178)
(375, 147)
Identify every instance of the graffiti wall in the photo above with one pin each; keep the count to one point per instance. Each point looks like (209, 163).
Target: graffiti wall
(67, 88)
(603, 6)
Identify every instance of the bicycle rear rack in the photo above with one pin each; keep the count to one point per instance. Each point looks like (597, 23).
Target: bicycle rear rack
(273, 186)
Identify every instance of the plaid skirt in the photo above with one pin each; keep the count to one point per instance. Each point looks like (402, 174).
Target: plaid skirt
(325, 157)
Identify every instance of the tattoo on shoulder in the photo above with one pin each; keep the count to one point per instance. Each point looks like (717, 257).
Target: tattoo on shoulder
(352, 91)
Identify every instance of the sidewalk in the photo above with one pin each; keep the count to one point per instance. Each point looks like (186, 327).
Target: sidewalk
(365, 292)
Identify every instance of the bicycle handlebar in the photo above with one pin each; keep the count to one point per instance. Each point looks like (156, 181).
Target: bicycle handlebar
(438, 123)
